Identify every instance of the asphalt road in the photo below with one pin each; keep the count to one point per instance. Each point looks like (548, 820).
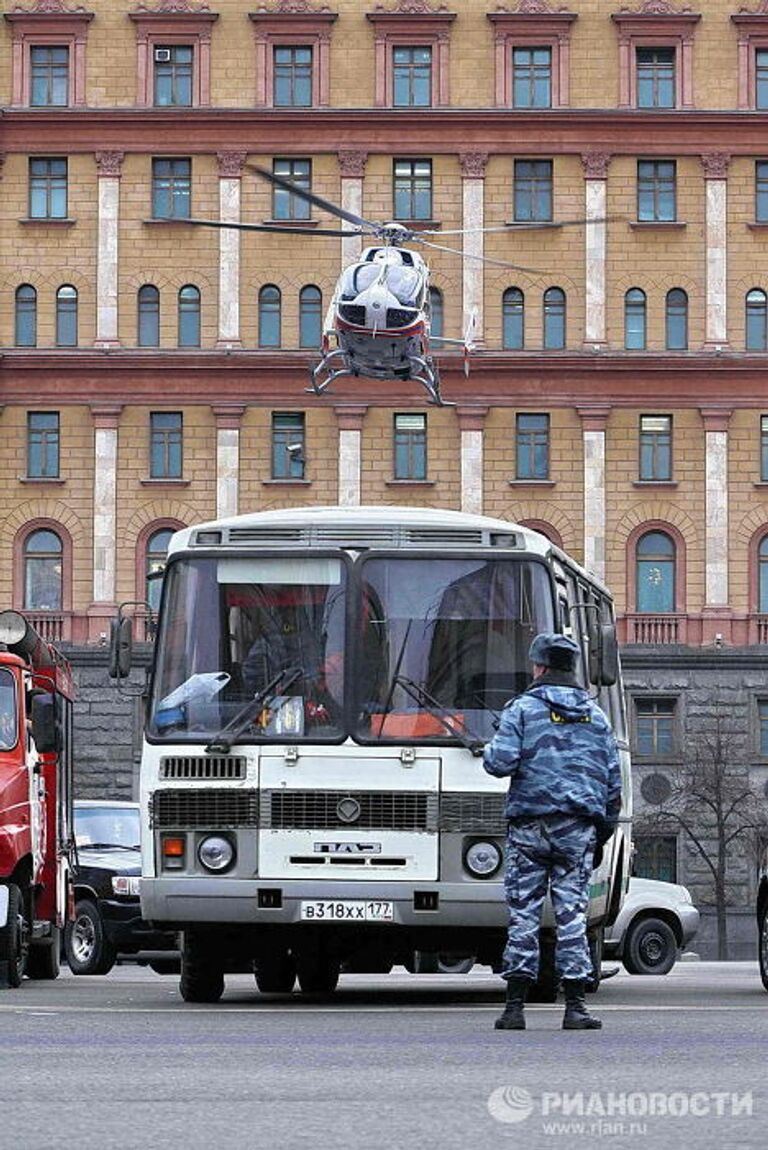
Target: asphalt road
(403, 1061)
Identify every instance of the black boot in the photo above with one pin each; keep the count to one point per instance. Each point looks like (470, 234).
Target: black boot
(513, 1017)
(576, 1016)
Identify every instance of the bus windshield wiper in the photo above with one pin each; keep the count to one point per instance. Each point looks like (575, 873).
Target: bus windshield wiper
(221, 744)
(443, 715)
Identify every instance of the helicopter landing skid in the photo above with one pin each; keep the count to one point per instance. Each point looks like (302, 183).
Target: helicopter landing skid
(425, 373)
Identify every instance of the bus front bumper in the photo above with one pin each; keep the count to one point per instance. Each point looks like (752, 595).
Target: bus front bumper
(176, 902)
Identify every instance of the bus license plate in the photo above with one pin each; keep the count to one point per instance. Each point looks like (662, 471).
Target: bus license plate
(347, 910)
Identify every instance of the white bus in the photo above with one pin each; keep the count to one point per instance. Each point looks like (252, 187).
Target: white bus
(324, 680)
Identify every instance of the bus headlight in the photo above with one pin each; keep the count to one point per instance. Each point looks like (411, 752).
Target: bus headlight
(482, 859)
(216, 853)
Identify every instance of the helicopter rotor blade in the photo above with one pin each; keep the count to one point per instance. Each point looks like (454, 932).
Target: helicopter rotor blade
(312, 198)
(524, 227)
(276, 229)
(472, 256)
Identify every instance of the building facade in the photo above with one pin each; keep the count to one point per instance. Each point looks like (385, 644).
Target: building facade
(153, 373)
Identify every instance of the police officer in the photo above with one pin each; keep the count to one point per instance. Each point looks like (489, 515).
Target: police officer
(557, 749)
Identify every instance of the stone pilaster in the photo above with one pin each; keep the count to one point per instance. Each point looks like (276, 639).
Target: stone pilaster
(350, 418)
(595, 236)
(715, 166)
(473, 165)
(228, 418)
(230, 179)
(471, 424)
(716, 505)
(109, 167)
(106, 420)
(352, 170)
(593, 424)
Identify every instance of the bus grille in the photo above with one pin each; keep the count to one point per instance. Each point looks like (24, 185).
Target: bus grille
(203, 767)
(473, 813)
(326, 810)
(204, 809)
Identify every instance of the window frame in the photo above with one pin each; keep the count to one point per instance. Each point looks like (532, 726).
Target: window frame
(539, 190)
(411, 30)
(661, 444)
(656, 79)
(671, 562)
(288, 427)
(550, 314)
(751, 312)
(21, 308)
(532, 29)
(410, 448)
(654, 186)
(277, 66)
(180, 75)
(657, 840)
(292, 29)
(51, 183)
(635, 307)
(49, 442)
(267, 307)
(48, 29)
(660, 29)
(296, 209)
(413, 191)
(166, 29)
(675, 727)
(50, 557)
(761, 191)
(184, 307)
(670, 316)
(143, 311)
(50, 76)
(528, 442)
(310, 309)
(67, 305)
(752, 37)
(411, 68)
(763, 448)
(512, 311)
(174, 192)
(170, 441)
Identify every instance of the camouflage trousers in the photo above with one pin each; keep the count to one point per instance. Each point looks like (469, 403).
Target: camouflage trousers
(549, 852)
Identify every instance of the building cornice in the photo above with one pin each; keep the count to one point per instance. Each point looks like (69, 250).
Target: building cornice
(619, 131)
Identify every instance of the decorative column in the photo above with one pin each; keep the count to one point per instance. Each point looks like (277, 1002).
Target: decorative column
(228, 417)
(716, 180)
(350, 418)
(473, 165)
(109, 168)
(595, 202)
(471, 423)
(106, 419)
(352, 170)
(593, 424)
(715, 422)
(230, 178)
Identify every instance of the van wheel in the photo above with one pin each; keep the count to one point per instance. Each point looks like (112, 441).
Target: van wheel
(650, 947)
(275, 972)
(202, 976)
(43, 962)
(14, 941)
(87, 947)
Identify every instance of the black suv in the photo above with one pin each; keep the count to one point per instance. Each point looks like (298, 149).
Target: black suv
(108, 918)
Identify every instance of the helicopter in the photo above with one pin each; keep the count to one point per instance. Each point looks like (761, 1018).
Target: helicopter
(377, 324)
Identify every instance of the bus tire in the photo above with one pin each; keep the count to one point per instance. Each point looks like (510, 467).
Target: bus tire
(275, 972)
(202, 977)
(13, 941)
(318, 973)
(43, 962)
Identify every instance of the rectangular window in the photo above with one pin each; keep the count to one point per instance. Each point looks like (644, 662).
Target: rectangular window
(412, 77)
(48, 189)
(761, 79)
(532, 77)
(656, 447)
(171, 189)
(288, 443)
(655, 728)
(173, 75)
(764, 448)
(413, 189)
(761, 191)
(48, 76)
(533, 190)
(410, 447)
(43, 445)
(656, 191)
(762, 720)
(166, 434)
(292, 77)
(656, 857)
(286, 206)
(532, 447)
(656, 77)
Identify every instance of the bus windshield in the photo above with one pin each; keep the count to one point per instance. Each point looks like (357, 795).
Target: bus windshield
(414, 649)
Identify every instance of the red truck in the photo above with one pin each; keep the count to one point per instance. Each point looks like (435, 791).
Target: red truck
(36, 840)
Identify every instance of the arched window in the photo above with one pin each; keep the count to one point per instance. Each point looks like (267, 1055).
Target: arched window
(189, 316)
(655, 571)
(554, 319)
(66, 316)
(43, 571)
(156, 553)
(757, 320)
(436, 326)
(635, 320)
(513, 319)
(677, 320)
(310, 316)
(26, 316)
(269, 316)
(149, 316)
(762, 576)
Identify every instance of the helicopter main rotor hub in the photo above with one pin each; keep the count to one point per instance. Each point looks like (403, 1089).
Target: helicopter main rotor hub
(395, 234)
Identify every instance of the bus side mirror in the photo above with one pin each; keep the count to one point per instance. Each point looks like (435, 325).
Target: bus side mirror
(45, 729)
(609, 655)
(120, 647)
(593, 646)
